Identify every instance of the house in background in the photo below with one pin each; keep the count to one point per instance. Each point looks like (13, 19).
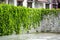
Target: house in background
(34, 3)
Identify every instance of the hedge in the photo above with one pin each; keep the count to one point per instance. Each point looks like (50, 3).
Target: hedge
(12, 18)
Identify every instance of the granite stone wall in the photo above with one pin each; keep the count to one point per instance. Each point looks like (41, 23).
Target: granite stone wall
(50, 23)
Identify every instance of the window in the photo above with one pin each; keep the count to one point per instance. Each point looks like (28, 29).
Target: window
(30, 0)
(47, 6)
(54, 5)
(19, 3)
(29, 4)
(1, 1)
(58, 5)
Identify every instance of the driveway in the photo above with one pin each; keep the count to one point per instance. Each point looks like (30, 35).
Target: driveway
(39, 36)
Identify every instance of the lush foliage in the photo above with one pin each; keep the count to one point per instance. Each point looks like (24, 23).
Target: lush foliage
(12, 18)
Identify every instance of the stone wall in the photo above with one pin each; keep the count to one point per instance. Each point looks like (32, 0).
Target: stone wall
(50, 23)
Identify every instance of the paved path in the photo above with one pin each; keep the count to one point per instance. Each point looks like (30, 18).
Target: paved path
(40, 36)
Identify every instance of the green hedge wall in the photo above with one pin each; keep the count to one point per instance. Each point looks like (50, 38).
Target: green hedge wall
(12, 18)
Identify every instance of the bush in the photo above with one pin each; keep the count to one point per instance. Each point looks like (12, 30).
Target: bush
(12, 18)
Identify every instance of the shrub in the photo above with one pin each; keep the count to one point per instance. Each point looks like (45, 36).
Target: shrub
(12, 18)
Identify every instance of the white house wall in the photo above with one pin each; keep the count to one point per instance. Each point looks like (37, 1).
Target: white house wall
(15, 2)
(6, 1)
(35, 4)
(50, 6)
(25, 3)
(38, 5)
(44, 5)
(11, 2)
